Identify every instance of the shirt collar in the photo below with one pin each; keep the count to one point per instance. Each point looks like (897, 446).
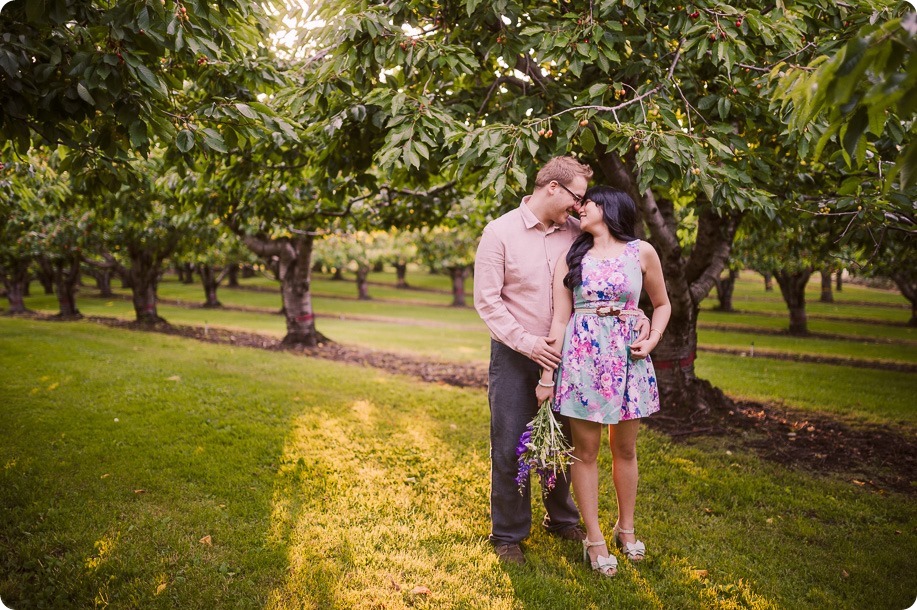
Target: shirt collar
(531, 221)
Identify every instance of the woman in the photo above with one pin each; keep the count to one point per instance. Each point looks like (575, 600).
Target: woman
(603, 378)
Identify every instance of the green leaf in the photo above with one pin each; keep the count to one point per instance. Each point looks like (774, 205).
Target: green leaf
(214, 140)
(719, 146)
(143, 19)
(855, 130)
(587, 140)
(84, 94)
(907, 161)
(410, 156)
(138, 134)
(246, 111)
(185, 140)
(35, 11)
(147, 76)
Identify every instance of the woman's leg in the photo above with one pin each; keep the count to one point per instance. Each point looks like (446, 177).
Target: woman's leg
(623, 440)
(587, 439)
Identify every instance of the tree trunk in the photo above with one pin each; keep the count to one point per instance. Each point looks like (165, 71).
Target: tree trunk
(793, 288)
(768, 281)
(363, 282)
(248, 271)
(15, 280)
(233, 276)
(103, 280)
(459, 275)
(826, 295)
(907, 284)
(66, 277)
(45, 274)
(401, 271)
(378, 267)
(295, 275)
(724, 289)
(338, 274)
(188, 276)
(840, 280)
(210, 279)
(126, 280)
(144, 278)
(688, 281)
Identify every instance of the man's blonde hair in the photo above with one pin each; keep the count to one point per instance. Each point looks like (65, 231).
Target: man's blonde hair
(562, 169)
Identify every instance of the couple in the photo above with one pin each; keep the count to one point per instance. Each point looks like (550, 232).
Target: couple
(559, 296)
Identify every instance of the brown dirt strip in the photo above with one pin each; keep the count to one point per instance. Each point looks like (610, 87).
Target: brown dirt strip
(879, 457)
(882, 365)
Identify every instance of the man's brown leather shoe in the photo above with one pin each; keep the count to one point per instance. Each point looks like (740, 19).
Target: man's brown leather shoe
(509, 552)
(574, 532)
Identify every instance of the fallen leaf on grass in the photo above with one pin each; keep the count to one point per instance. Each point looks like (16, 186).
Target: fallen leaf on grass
(420, 590)
(160, 588)
(106, 475)
(174, 378)
(139, 491)
(699, 574)
(845, 573)
(206, 540)
(395, 584)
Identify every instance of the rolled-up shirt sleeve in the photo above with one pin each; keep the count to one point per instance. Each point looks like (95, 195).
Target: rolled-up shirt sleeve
(489, 276)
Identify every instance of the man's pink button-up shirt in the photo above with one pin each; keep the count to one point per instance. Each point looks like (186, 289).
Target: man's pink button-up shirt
(513, 273)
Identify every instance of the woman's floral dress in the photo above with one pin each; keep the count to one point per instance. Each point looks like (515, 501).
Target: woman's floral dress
(597, 381)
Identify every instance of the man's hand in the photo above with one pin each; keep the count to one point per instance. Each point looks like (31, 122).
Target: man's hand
(545, 353)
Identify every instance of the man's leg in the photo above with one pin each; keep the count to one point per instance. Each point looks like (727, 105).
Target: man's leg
(511, 394)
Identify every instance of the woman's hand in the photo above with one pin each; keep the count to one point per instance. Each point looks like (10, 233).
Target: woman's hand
(639, 350)
(543, 393)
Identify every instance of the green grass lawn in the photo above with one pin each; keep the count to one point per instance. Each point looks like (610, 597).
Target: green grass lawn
(324, 485)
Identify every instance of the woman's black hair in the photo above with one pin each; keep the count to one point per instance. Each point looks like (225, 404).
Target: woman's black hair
(620, 215)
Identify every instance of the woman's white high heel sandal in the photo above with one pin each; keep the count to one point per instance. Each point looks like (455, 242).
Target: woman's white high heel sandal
(606, 566)
(635, 551)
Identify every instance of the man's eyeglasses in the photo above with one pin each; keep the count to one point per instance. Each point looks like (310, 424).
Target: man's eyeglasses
(578, 199)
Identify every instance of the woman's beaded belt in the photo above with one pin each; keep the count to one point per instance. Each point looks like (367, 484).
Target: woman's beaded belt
(608, 310)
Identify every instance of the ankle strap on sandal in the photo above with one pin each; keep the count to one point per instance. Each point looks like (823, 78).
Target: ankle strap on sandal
(587, 544)
(621, 530)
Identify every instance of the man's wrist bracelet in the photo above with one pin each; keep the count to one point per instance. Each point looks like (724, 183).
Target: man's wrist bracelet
(545, 385)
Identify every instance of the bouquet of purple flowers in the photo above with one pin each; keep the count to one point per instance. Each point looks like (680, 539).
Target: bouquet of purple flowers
(544, 449)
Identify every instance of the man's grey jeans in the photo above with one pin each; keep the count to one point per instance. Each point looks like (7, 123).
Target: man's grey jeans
(511, 394)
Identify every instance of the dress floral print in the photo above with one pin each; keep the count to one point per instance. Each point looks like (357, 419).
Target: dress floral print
(597, 381)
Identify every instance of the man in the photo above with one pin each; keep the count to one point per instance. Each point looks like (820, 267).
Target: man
(512, 294)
